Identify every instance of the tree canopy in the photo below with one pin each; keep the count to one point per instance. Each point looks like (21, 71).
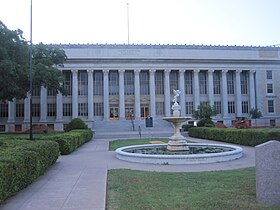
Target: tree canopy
(14, 65)
(204, 111)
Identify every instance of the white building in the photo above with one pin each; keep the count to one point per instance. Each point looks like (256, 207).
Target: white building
(123, 82)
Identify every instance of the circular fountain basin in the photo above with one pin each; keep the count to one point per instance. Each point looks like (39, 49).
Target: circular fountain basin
(128, 154)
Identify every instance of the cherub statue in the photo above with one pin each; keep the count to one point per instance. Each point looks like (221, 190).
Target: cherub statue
(176, 95)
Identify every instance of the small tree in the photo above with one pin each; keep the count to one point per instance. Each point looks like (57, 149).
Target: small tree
(204, 113)
(255, 113)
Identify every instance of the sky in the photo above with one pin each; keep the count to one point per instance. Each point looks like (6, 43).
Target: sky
(198, 22)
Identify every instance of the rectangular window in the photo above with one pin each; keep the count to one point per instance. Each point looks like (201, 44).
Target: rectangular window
(82, 83)
(159, 108)
(159, 82)
(202, 82)
(129, 83)
(97, 83)
(35, 110)
(188, 82)
(217, 82)
(4, 110)
(189, 107)
(270, 106)
(269, 88)
(83, 109)
(19, 110)
(173, 78)
(113, 83)
(218, 106)
(51, 110)
(203, 103)
(245, 107)
(36, 91)
(67, 110)
(67, 84)
(98, 109)
(269, 74)
(144, 83)
(231, 107)
(51, 91)
(230, 82)
(244, 82)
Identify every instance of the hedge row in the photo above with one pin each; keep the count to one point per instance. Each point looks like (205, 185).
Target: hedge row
(22, 161)
(247, 137)
(69, 141)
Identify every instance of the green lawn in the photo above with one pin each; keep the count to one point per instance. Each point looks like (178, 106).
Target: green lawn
(133, 190)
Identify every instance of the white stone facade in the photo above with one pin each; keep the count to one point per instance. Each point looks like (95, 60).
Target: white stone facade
(118, 82)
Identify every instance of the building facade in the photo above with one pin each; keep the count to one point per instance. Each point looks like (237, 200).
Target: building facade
(124, 82)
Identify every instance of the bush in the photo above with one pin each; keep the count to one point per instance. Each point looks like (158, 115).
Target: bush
(186, 127)
(204, 122)
(22, 161)
(76, 123)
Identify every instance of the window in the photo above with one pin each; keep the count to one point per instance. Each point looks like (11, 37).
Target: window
(113, 83)
(270, 106)
(188, 82)
(218, 106)
(3, 109)
(19, 110)
(173, 78)
(269, 88)
(98, 109)
(67, 84)
(67, 110)
(230, 82)
(189, 107)
(245, 107)
(83, 109)
(269, 74)
(98, 83)
(51, 91)
(203, 103)
(82, 83)
(202, 82)
(35, 110)
(51, 110)
(36, 90)
(129, 83)
(231, 107)
(144, 83)
(159, 82)
(159, 108)
(217, 82)
(244, 82)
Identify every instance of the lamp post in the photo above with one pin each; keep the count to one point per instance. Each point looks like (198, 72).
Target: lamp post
(30, 74)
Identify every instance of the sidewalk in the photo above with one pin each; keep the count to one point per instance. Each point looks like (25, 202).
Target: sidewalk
(78, 181)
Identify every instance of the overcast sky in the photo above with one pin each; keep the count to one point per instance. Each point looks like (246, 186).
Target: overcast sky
(215, 22)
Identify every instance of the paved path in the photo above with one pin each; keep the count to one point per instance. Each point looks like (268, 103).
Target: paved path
(78, 181)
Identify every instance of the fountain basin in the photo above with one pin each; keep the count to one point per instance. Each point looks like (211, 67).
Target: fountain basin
(176, 159)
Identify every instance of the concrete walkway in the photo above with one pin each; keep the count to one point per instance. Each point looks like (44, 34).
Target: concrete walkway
(78, 181)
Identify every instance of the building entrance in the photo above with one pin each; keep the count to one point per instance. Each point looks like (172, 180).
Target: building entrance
(129, 112)
(114, 113)
(145, 112)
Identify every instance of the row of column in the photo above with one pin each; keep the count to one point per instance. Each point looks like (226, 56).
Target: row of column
(152, 87)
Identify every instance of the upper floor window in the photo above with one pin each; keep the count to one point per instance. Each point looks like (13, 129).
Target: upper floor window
(83, 83)
(269, 74)
(144, 83)
(113, 83)
(188, 82)
(173, 78)
(270, 106)
(244, 82)
(129, 83)
(97, 83)
(217, 82)
(159, 82)
(67, 84)
(202, 82)
(230, 82)
(269, 88)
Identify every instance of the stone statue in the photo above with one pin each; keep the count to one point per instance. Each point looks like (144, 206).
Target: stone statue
(176, 95)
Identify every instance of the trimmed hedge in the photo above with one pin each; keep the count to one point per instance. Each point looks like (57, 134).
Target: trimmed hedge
(22, 161)
(247, 137)
(69, 141)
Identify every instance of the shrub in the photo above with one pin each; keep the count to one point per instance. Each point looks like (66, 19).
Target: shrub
(204, 122)
(186, 127)
(76, 123)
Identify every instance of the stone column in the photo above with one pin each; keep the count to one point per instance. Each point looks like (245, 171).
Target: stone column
(196, 88)
(183, 91)
(252, 89)
(90, 94)
(224, 93)
(238, 93)
(74, 93)
(43, 104)
(106, 94)
(152, 93)
(137, 105)
(167, 92)
(27, 108)
(121, 94)
(11, 111)
(59, 113)
(210, 87)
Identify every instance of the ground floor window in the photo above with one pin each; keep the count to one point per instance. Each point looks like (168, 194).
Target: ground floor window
(245, 107)
(67, 110)
(83, 109)
(218, 106)
(270, 106)
(4, 110)
(189, 107)
(98, 109)
(19, 110)
(35, 110)
(51, 110)
(231, 107)
(159, 108)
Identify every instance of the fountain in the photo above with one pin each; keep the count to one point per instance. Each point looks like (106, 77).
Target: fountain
(178, 150)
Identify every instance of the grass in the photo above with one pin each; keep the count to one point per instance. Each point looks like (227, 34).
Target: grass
(230, 190)
(129, 142)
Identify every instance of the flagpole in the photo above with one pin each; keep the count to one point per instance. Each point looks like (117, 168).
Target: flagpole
(127, 23)
(30, 74)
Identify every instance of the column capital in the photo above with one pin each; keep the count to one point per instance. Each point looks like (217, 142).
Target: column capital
(167, 71)
(252, 71)
(121, 71)
(238, 71)
(90, 71)
(74, 71)
(224, 71)
(152, 71)
(182, 71)
(105, 71)
(196, 70)
(211, 71)
(137, 71)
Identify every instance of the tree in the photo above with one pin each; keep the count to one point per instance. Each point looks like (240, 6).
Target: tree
(204, 113)
(255, 113)
(14, 65)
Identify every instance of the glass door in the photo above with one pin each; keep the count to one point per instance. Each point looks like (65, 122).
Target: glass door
(114, 113)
